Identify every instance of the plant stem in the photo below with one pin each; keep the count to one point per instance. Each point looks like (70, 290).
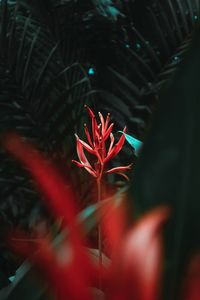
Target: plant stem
(99, 196)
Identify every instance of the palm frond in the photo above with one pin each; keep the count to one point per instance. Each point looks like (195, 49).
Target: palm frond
(40, 98)
(148, 54)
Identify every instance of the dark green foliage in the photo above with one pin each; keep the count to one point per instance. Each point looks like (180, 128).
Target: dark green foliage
(148, 47)
(40, 95)
(46, 48)
(26, 280)
(168, 169)
(38, 90)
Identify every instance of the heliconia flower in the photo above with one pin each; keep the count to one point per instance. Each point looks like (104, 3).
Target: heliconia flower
(100, 143)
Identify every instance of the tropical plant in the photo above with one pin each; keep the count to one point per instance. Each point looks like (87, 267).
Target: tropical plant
(136, 254)
(147, 49)
(43, 79)
(38, 90)
(98, 146)
(168, 167)
(55, 56)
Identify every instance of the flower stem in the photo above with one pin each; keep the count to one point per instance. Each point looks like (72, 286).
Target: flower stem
(99, 197)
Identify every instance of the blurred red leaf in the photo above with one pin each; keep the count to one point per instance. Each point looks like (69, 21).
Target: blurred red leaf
(138, 269)
(61, 267)
(57, 192)
(191, 288)
(59, 198)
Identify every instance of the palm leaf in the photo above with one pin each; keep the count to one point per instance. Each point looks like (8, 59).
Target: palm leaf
(152, 52)
(39, 98)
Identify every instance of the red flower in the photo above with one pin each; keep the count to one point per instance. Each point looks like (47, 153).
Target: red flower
(97, 146)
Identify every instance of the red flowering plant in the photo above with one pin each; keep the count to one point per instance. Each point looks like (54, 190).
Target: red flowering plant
(100, 143)
(97, 146)
(135, 268)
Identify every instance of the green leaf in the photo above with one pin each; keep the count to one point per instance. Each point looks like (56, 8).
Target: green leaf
(135, 144)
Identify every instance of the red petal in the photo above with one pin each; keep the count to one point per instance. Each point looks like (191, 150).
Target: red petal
(81, 155)
(95, 129)
(90, 112)
(88, 135)
(119, 169)
(90, 170)
(78, 163)
(108, 131)
(83, 159)
(117, 148)
(95, 132)
(112, 139)
(107, 121)
(85, 145)
(102, 123)
(99, 157)
(124, 175)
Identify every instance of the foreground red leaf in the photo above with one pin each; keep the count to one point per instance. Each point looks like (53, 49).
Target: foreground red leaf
(191, 288)
(143, 255)
(60, 199)
(56, 191)
(61, 267)
(136, 272)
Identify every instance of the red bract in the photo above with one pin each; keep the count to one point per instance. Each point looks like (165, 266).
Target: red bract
(96, 145)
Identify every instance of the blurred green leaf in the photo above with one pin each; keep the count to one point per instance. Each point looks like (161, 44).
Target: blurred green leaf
(168, 167)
